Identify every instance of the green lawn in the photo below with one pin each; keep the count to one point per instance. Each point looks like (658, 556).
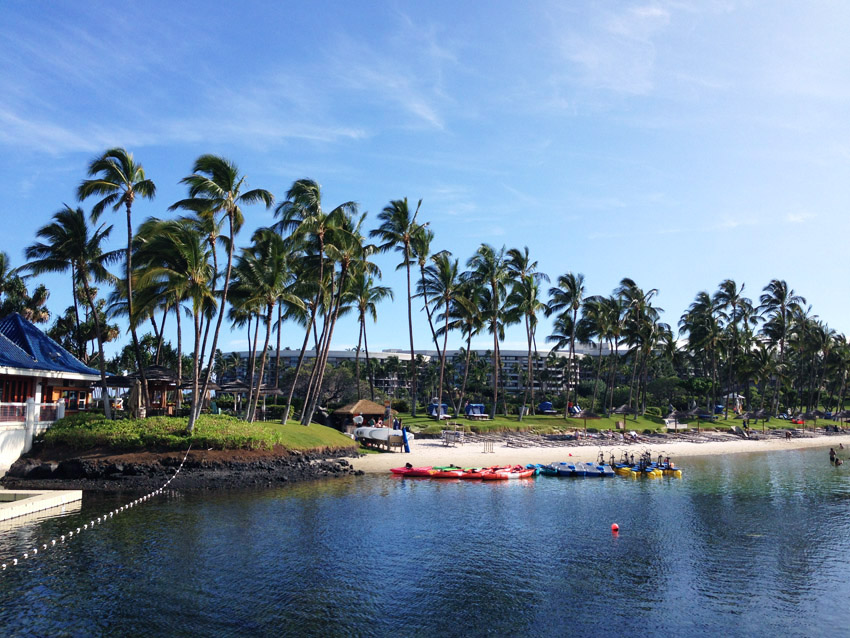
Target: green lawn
(85, 431)
(550, 424)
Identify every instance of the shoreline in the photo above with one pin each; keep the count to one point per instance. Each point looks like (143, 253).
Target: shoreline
(424, 452)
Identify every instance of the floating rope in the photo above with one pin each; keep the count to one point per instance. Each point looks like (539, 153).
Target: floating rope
(97, 521)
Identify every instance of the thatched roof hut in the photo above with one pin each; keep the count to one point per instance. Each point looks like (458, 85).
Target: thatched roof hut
(363, 406)
(367, 409)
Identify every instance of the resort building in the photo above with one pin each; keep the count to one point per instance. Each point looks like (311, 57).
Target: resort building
(388, 382)
(549, 366)
(33, 366)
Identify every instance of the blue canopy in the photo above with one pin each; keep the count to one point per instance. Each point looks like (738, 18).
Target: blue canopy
(432, 409)
(545, 406)
(474, 408)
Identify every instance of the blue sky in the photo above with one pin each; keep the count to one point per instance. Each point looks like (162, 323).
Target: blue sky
(676, 143)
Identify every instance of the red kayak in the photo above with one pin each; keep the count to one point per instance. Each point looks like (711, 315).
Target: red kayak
(478, 472)
(412, 471)
(503, 474)
(446, 473)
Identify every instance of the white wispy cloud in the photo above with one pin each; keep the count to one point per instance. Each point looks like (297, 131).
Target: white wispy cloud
(615, 50)
(799, 217)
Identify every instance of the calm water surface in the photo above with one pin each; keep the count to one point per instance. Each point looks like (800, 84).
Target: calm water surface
(748, 545)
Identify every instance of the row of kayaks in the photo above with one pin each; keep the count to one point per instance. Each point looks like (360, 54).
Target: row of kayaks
(493, 473)
(501, 473)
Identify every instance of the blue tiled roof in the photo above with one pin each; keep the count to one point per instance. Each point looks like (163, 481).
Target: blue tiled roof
(22, 345)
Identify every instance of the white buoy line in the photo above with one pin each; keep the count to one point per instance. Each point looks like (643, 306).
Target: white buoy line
(32, 553)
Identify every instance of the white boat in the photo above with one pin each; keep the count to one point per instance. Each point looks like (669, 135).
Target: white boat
(378, 434)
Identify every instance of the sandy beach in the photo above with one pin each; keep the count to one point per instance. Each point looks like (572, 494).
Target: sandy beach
(425, 452)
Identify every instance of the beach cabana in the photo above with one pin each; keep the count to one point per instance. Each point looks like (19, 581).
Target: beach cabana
(545, 407)
(443, 408)
(475, 411)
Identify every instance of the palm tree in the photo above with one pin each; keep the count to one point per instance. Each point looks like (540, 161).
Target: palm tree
(420, 245)
(183, 266)
(524, 304)
(366, 295)
(778, 302)
(444, 285)
(567, 298)
(118, 179)
(396, 231)
(732, 305)
(264, 274)
(302, 215)
(640, 313)
(488, 268)
(215, 186)
(70, 243)
(467, 319)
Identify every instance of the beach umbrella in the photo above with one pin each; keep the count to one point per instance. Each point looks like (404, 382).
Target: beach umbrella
(187, 385)
(585, 415)
(842, 415)
(679, 414)
(625, 409)
(135, 399)
(269, 391)
(810, 416)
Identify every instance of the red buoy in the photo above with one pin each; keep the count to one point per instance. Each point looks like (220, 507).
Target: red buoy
(615, 528)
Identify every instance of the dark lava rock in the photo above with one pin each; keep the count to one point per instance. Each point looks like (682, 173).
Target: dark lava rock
(198, 472)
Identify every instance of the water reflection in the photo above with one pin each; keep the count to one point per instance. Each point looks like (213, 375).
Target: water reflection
(748, 545)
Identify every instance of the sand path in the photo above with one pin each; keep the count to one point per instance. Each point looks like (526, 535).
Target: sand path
(425, 452)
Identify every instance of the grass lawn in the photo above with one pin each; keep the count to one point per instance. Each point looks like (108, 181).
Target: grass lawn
(83, 431)
(551, 424)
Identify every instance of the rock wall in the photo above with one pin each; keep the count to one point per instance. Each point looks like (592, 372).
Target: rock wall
(149, 471)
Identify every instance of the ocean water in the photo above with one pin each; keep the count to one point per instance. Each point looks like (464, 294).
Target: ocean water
(746, 545)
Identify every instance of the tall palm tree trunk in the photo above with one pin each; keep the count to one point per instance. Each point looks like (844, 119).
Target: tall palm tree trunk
(312, 387)
(335, 307)
(368, 365)
(357, 357)
(410, 332)
(496, 358)
(196, 405)
(596, 380)
(277, 356)
(136, 348)
(81, 346)
(161, 335)
(573, 354)
(179, 398)
(193, 410)
(443, 364)
(252, 366)
(298, 367)
(465, 370)
(252, 409)
(429, 314)
(107, 409)
(527, 372)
